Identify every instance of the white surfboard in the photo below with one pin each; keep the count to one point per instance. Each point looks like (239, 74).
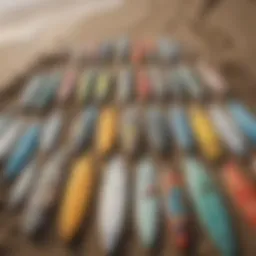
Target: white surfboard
(227, 130)
(51, 131)
(212, 78)
(44, 193)
(112, 203)
(124, 86)
(22, 186)
(8, 140)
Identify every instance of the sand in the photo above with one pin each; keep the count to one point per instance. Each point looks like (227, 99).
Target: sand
(221, 31)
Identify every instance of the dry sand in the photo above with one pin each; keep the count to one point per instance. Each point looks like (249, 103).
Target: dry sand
(221, 31)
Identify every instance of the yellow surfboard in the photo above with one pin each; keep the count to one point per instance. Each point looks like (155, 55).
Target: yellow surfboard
(106, 131)
(86, 84)
(77, 196)
(204, 132)
(104, 87)
(80, 86)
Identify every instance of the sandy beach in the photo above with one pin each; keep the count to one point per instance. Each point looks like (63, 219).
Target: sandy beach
(221, 32)
(33, 18)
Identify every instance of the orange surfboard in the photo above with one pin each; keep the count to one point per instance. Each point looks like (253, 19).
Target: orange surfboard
(107, 131)
(241, 190)
(77, 196)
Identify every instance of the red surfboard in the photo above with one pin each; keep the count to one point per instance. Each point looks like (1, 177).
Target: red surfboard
(143, 86)
(241, 190)
(138, 53)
